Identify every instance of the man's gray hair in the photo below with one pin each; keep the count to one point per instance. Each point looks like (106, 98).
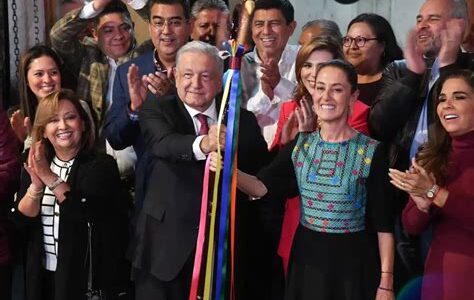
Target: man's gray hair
(201, 5)
(202, 48)
(327, 27)
(459, 10)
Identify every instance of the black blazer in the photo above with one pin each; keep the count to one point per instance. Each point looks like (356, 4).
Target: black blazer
(167, 228)
(96, 196)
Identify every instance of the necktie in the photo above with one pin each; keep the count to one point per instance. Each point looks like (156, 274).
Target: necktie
(204, 126)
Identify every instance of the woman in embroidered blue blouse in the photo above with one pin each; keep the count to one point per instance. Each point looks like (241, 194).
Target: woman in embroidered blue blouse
(344, 246)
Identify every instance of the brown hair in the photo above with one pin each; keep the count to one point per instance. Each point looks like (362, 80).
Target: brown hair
(322, 42)
(28, 100)
(433, 156)
(48, 107)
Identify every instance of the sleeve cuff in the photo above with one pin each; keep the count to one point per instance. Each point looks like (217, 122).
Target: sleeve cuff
(198, 154)
(132, 115)
(88, 11)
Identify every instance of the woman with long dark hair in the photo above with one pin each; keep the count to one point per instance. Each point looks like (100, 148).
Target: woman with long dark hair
(440, 187)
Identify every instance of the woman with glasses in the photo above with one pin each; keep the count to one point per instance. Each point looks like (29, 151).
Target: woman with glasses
(369, 46)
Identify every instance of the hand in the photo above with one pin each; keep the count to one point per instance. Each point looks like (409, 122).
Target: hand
(451, 40)
(416, 181)
(267, 89)
(99, 5)
(37, 159)
(270, 72)
(214, 161)
(21, 126)
(209, 143)
(158, 84)
(413, 54)
(222, 32)
(31, 167)
(384, 295)
(289, 129)
(305, 116)
(137, 87)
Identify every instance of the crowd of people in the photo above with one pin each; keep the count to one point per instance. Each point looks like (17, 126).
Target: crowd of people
(354, 156)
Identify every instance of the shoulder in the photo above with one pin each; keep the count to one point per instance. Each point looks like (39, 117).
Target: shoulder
(166, 103)
(291, 51)
(95, 160)
(142, 61)
(396, 68)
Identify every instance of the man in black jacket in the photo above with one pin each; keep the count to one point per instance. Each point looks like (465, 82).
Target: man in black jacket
(404, 107)
(179, 132)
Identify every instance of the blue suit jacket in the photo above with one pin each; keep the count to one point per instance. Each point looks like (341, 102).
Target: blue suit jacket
(120, 130)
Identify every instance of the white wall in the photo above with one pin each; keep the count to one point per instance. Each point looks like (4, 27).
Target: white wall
(400, 13)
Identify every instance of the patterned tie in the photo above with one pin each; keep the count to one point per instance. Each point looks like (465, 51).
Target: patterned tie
(204, 126)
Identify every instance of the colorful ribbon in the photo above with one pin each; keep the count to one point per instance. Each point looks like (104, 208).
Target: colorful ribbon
(216, 268)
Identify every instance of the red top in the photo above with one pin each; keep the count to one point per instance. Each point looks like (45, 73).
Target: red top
(357, 120)
(449, 269)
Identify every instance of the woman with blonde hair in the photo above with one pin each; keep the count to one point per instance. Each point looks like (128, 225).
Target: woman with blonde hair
(72, 205)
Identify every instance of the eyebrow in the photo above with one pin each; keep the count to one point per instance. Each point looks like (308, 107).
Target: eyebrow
(428, 16)
(271, 20)
(170, 18)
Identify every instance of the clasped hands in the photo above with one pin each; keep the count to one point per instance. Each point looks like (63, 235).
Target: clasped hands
(416, 182)
(38, 167)
(270, 76)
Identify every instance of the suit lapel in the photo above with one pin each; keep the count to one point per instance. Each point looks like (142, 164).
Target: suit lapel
(187, 120)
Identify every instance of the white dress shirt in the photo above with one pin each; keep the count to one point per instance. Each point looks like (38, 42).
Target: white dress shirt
(255, 100)
(211, 114)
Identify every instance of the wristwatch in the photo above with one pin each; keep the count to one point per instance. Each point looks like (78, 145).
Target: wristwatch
(431, 193)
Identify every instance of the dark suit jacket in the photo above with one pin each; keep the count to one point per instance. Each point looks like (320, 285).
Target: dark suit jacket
(97, 197)
(168, 225)
(120, 130)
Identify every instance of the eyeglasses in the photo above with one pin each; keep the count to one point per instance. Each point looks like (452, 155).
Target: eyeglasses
(359, 41)
(160, 23)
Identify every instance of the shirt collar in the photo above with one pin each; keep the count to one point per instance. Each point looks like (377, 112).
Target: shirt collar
(210, 112)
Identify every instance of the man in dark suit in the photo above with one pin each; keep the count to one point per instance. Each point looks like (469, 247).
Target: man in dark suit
(169, 30)
(179, 132)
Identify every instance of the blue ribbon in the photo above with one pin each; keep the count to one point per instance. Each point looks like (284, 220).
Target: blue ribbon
(229, 154)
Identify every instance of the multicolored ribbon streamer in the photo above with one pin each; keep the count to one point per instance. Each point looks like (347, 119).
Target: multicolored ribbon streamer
(226, 220)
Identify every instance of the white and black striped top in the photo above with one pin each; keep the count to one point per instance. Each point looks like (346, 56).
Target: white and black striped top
(50, 215)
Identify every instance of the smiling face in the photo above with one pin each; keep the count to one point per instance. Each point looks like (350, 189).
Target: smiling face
(270, 32)
(206, 25)
(310, 66)
(365, 59)
(456, 107)
(113, 34)
(169, 30)
(64, 129)
(43, 76)
(430, 21)
(332, 96)
(197, 79)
